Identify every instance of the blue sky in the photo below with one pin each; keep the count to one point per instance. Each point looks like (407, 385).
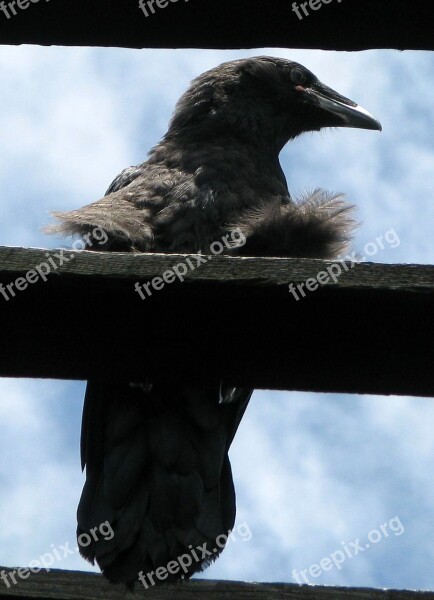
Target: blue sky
(313, 472)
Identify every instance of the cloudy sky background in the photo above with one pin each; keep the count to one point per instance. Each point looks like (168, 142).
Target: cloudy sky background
(311, 470)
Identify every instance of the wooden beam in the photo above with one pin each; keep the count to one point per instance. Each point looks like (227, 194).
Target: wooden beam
(76, 585)
(333, 25)
(232, 318)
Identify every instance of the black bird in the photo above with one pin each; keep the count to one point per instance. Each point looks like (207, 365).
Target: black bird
(156, 454)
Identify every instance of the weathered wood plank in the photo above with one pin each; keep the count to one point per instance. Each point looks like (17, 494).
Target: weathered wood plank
(267, 271)
(333, 25)
(77, 585)
(232, 318)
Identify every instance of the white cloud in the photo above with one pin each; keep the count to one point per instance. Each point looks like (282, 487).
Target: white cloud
(315, 470)
(40, 469)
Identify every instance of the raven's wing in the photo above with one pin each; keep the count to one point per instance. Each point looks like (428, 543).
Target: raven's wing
(124, 178)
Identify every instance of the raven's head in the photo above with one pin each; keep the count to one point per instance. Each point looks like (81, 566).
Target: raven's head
(265, 101)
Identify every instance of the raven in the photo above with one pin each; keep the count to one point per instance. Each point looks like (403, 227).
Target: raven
(156, 453)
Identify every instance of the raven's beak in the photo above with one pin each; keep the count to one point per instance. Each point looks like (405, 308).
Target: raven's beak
(348, 112)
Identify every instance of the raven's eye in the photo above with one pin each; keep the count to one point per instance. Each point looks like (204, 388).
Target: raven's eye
(297, 76)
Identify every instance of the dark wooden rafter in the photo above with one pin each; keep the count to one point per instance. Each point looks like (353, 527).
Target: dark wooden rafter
(330, 24)
(231, 318)
(75, 585)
